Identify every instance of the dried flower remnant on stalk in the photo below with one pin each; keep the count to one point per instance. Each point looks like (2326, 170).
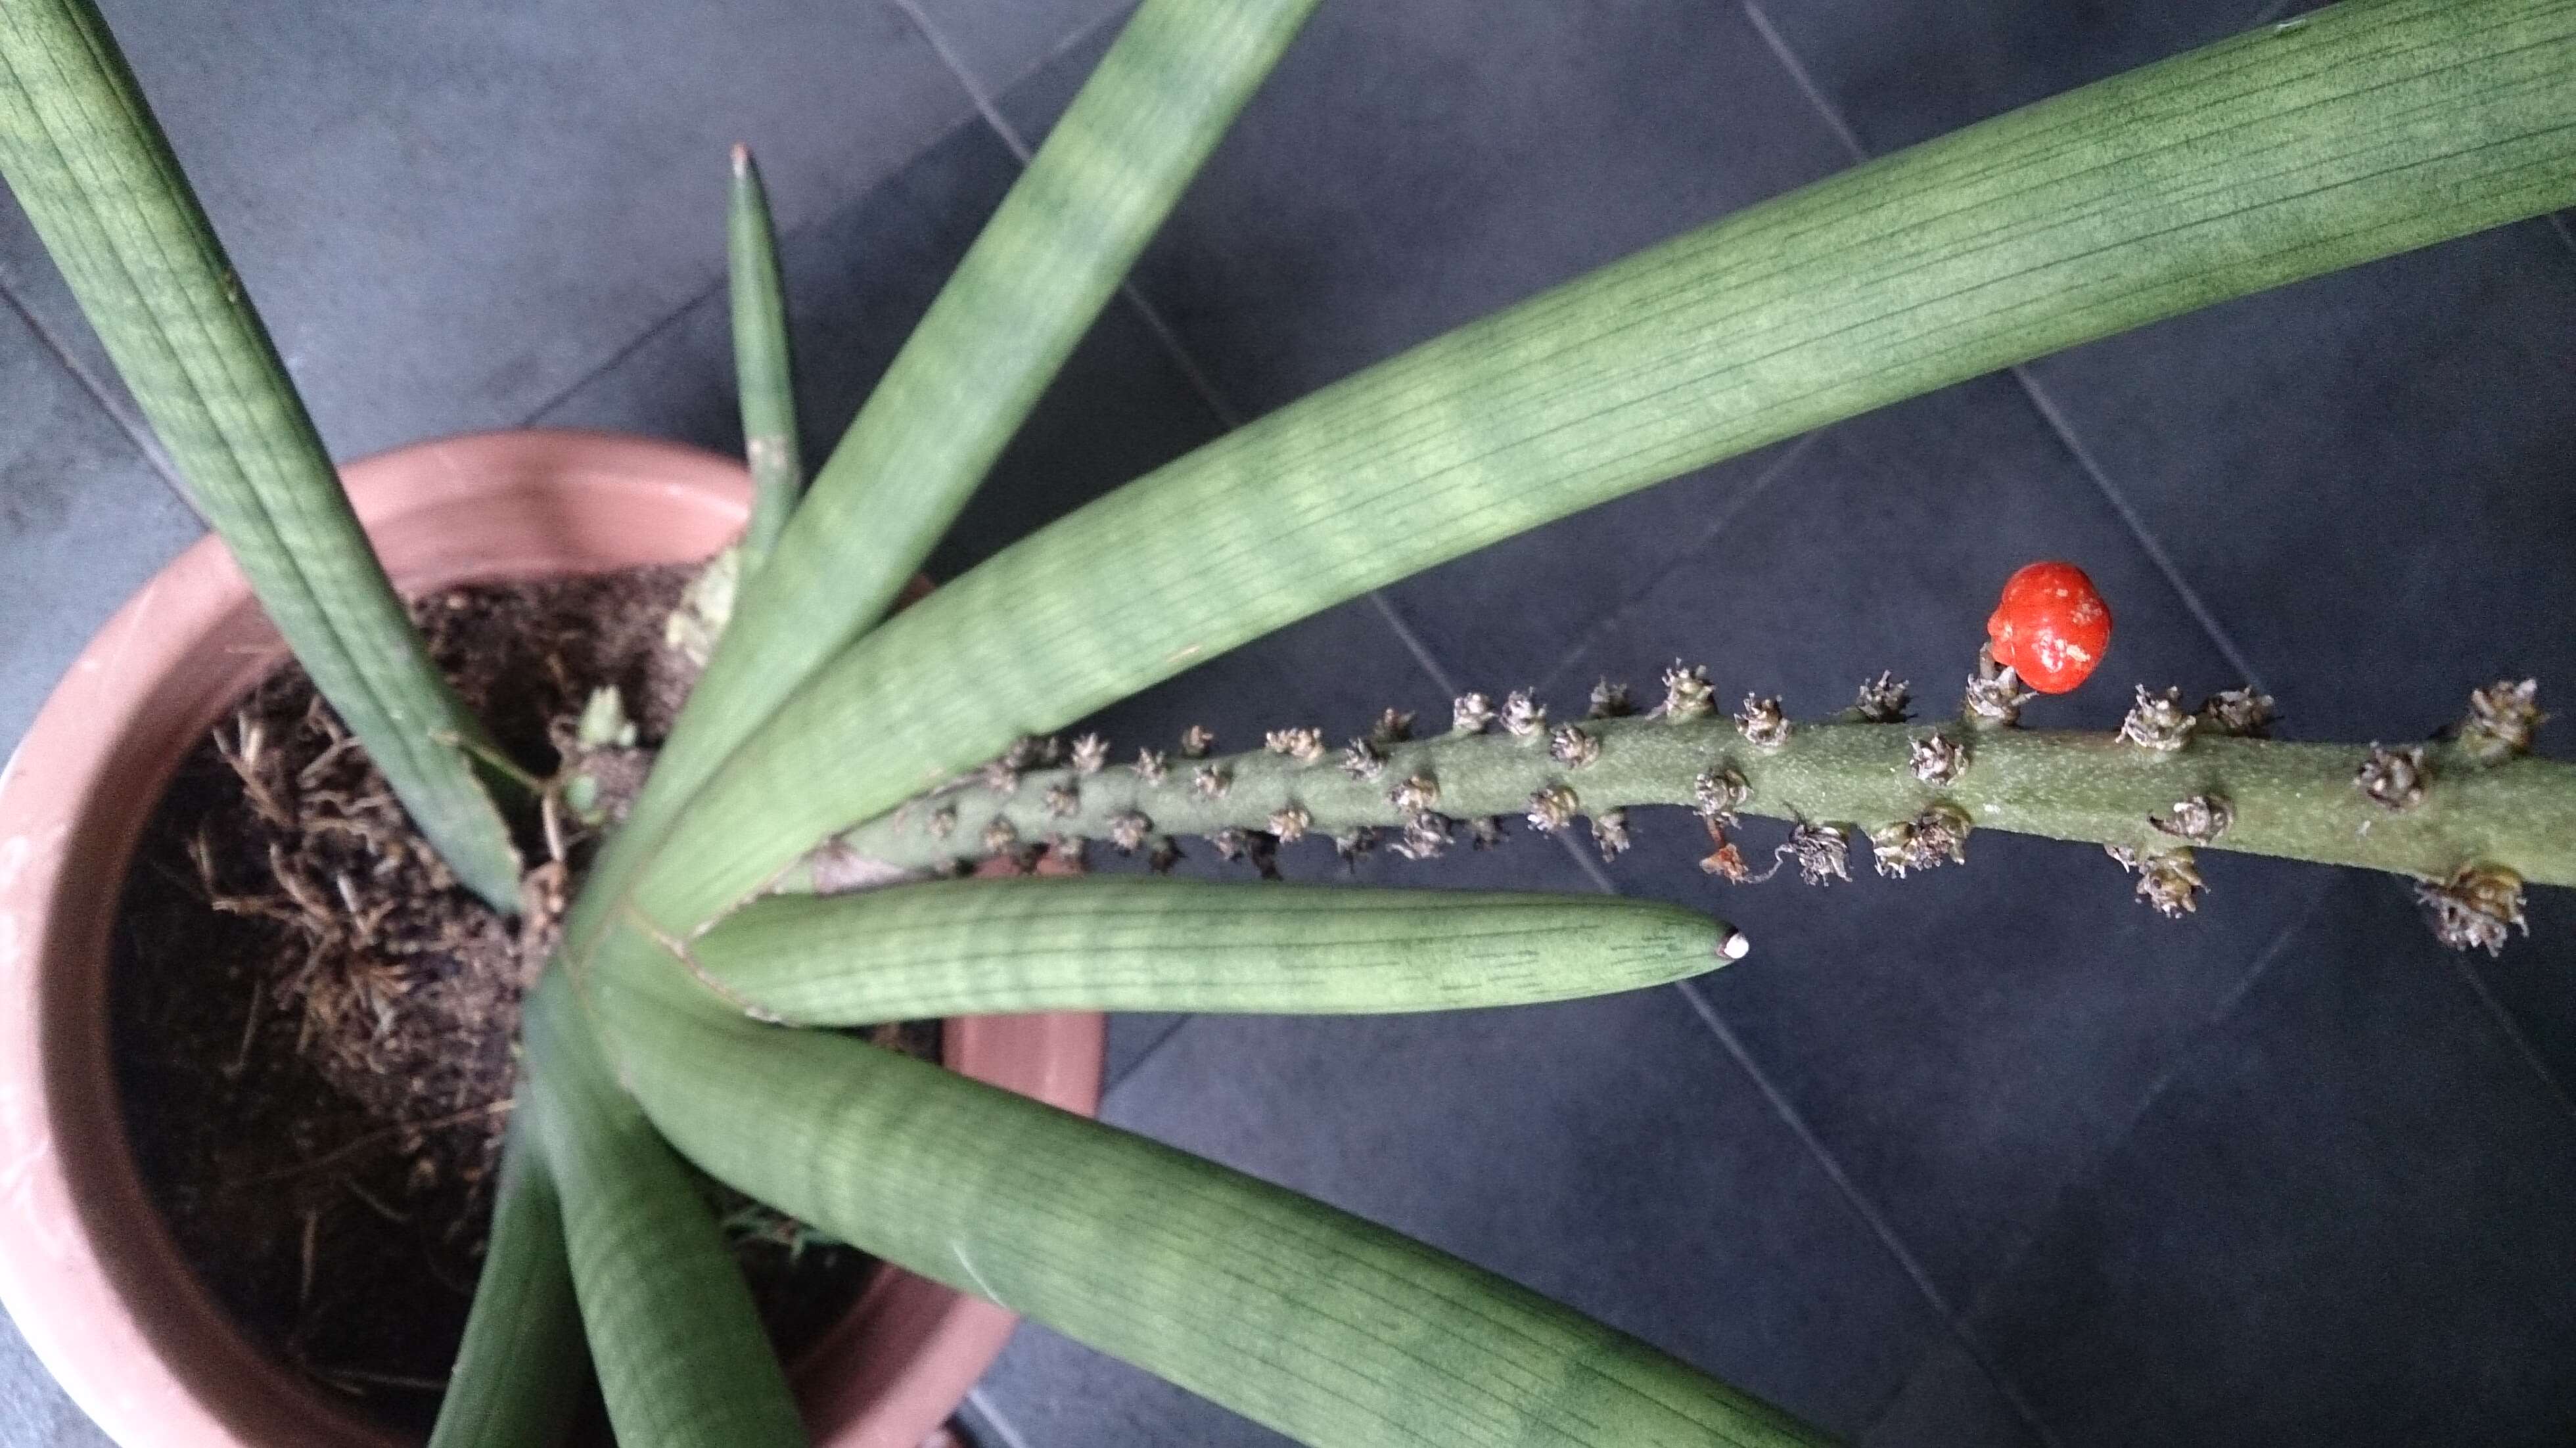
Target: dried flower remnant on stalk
(1393, 727)
(2157, 722)
(2476, 909)
(1572, 747)
(2502, 719)
(1883, 700)
(2244, 713)
(2169, 880)
(1090, 754)
(2200, 819)
(1936, 759)
(1687, 693)
(1552, 808)
(1762, 723)
(1821, 852)
(2393, 777)
(1718, 792)
(1995, 694)
(1363, 760)
(1302, 745)
(1610, 833)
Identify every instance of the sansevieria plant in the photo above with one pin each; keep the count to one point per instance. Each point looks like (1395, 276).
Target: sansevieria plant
(829, 741)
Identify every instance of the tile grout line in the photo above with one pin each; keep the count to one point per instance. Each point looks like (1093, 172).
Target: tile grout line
(1743, 498)
(1853, 1197)
(1888, 1239)
(2512, 1030)
(1110, 1088)
(719, 281)
(1861, 1206)
(2219, 1015)
(1825, 109)
(624, 350)
(2146, 541)
(2566, 233)
(135, 429)
(957, 71)
(1227, 416)
(2038, 397)
(1003, 1428)
(2003, 1384)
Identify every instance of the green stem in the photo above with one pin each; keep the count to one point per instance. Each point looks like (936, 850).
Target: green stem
(764, 369)
(681, 1354)
(520, 1370)
(2297, 801)
(80, 148)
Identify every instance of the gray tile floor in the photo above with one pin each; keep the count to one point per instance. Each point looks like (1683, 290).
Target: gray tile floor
(1989, 1157)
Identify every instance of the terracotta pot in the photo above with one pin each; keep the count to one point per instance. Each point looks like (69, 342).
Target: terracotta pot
(86, 1267)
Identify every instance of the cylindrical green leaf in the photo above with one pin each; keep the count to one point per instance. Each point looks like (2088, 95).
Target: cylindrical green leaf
(2373, 127)
(521, 1368)
(1323, 1326)
(984, 947)
(763, 365)
(85, 158)
(1024, 294)
(681, 1355)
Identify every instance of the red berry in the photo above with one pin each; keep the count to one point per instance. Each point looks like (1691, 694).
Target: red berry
(2051, 626)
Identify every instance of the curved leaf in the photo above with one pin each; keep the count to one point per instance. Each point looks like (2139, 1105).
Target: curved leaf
(985, 947)
(1325, 1327)
(2367, 130)
(680, 1350)
(521, 1368)
(1024, 294)
(87, 161)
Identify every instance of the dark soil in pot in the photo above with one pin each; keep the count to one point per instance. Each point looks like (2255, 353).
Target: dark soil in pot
(315, 1028)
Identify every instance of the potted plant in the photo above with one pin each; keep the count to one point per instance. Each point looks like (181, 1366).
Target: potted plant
(710, 944)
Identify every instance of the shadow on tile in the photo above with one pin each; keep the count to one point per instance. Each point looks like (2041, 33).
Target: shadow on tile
(858, 281)
(451, 213)
(2346, 1221)
(84, 520)
(1603, 1152)
(1902, 71)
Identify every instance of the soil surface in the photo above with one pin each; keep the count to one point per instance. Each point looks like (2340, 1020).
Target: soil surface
(315, 1028)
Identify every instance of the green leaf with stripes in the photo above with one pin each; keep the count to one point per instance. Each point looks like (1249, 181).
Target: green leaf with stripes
(1321, 1325)
(521, 1368)
(1024, 294)
(83, 154)
(681, 1355)
(764, 368)
(2370, 129)
(985, 947)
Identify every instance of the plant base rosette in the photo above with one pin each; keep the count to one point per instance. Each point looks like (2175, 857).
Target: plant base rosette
(87, 1270)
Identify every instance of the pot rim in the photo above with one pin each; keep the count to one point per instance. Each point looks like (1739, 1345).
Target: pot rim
(87, 1269)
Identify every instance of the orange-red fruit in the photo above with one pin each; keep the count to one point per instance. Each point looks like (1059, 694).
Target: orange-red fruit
(2051, 626)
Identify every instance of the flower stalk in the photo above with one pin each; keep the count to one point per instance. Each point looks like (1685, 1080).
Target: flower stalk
(2302, 801)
